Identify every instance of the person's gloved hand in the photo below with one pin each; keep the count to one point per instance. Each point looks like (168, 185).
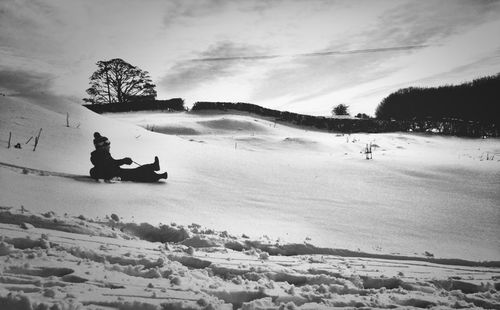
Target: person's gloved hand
(127, 160)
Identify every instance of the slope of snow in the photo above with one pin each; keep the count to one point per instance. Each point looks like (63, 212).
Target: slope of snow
(266, 184)
(250, 175)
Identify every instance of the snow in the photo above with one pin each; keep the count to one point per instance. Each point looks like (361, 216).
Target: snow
(113, 269)
(249, 175)
(241, 190)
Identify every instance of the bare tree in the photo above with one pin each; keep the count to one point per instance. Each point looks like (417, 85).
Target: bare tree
(117, 81)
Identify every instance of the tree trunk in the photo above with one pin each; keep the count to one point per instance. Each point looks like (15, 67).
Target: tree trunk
(107, 84)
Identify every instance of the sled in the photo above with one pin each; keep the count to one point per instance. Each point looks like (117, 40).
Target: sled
(76, 177)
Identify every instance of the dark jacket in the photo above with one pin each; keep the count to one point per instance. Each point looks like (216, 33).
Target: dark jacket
(105, 166)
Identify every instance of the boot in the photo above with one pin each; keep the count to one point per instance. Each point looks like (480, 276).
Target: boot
(156, 164)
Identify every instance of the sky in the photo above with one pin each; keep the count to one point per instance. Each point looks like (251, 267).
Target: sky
(304, 56)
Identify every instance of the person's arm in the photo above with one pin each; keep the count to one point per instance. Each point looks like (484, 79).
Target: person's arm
(105, 160)
(123, 161)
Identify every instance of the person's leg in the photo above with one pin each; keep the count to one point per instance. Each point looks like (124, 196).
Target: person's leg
(127, 174)
(142, 174)
(93, 174)
(106, 174)
(148, 167)
(155, 177)
(147, 174)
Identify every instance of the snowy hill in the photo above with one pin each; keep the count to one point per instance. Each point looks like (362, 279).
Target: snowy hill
(420, 195)
(249, 175)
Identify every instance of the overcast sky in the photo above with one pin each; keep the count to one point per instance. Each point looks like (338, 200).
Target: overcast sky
(302, 56)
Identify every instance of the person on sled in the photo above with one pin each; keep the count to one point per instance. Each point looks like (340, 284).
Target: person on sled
(106, 167)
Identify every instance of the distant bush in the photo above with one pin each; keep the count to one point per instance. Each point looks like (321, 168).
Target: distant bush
(477, 101)
(362, 115)
(340, 109)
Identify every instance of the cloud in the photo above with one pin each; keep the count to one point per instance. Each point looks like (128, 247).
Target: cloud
(227, 59)
(411, 27)
(178, 10)
(189, 74)
(257, 50)
(25, 84)
(321, 73)
(428, 22)
(25, 24)
(321, 53)
(35, 86)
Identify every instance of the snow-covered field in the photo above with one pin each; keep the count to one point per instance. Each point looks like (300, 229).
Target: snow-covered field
(420, 195)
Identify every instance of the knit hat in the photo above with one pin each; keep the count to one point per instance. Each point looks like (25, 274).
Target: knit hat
(100, 141)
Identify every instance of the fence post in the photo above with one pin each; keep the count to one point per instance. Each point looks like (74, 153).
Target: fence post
(37, 138)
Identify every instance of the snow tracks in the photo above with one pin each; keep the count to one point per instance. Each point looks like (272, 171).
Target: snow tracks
(101, 268)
